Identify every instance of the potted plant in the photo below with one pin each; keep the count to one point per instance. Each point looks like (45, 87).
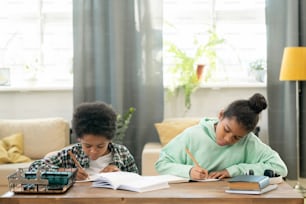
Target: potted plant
(186, 72)
(258, 68)
(122, 125)
(183, 72)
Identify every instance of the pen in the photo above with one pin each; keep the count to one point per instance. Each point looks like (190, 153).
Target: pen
(192, 157)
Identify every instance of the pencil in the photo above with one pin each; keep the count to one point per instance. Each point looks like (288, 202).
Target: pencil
(192, 157)
(75, 160)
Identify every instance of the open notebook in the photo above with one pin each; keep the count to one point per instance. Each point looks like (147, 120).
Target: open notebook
(168, 178)
(135, 182)
(128, 181)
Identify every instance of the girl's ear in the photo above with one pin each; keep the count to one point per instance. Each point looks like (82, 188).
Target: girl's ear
(221, 114)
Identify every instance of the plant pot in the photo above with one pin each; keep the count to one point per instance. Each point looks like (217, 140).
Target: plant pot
(200, 70)
(260, 75)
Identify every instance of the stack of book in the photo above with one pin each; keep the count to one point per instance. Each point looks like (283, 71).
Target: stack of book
(250, 184)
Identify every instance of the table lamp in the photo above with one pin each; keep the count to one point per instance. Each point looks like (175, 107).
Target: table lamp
(293, 68)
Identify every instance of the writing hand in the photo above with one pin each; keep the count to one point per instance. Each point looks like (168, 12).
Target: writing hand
(219, 174)
(110, 168)
(81, 174)
(197, 173)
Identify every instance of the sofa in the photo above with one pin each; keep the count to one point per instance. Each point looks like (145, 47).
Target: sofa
(25, 140)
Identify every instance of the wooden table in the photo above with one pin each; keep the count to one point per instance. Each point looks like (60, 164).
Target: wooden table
(192, 192)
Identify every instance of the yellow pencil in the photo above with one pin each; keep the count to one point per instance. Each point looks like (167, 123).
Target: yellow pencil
(192, 157)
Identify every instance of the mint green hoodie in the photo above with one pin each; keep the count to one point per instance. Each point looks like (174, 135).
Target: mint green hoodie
(249, 153)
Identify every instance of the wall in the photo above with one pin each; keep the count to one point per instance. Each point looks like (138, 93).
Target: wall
(22, 103)
(49, 102)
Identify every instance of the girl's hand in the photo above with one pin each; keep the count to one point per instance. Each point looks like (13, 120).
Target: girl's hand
(110, 168)
(219, 174)
(198, 173)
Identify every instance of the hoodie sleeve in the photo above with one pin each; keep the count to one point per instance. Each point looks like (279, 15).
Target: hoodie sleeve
(172, 159)
(259, 157)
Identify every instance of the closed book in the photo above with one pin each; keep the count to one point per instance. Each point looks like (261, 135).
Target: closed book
(254, 192)
(248, 182)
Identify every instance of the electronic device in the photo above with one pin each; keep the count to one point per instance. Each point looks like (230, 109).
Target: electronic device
(24, 181)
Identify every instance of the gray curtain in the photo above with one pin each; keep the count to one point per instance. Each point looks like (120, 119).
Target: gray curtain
(117, 59)
(286, 24)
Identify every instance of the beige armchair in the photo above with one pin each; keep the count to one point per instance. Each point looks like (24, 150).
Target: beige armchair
(40, 136)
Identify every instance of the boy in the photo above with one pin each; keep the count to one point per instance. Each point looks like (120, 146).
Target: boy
(94, 124)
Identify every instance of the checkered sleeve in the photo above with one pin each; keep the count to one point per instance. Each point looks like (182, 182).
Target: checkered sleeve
(61, 160)
(123, 159)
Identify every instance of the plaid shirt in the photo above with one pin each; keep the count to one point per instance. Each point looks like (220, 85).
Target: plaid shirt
(122, 158)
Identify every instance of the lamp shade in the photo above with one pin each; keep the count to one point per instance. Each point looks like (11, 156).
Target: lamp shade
(293, 64)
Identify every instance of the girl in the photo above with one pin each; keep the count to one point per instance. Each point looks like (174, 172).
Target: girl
(223, 146)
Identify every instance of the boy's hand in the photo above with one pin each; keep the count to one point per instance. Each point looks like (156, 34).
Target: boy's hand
(81, 174)
(110, 168)
(197, 173)
(219, 174)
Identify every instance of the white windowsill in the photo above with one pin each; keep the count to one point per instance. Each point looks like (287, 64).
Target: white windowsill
(233, 85)
(26, 88)
(67, 87)
(227, 85)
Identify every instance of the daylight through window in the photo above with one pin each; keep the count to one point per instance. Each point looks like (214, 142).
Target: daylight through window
(36, 41)
(228, 37)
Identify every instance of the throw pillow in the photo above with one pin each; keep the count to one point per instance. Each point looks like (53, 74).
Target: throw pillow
(11, 149)
(170, 128)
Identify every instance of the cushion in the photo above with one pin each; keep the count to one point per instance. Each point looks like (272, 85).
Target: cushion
(11, 149)
(41, 135)
(170, 128)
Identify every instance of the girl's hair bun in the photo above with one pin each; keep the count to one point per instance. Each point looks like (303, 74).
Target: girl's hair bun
(258, 103)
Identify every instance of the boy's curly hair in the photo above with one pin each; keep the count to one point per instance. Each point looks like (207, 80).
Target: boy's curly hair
(96, 118)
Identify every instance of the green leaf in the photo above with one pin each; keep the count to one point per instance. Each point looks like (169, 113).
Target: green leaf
(184, 71)
(122, 125)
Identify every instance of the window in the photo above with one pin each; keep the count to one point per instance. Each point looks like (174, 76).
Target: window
(239, 26)
(36, 41)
